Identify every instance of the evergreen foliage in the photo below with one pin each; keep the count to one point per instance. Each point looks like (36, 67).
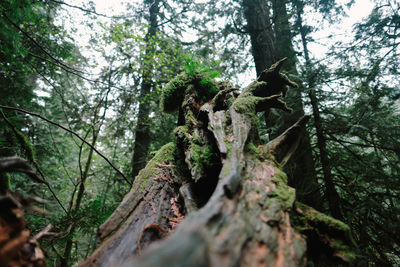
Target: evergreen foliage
(355, 90)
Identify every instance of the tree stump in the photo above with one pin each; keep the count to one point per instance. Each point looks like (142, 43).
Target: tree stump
(218, 196)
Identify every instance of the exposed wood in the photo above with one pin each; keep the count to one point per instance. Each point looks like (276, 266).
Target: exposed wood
(237, 216)
(16, 246)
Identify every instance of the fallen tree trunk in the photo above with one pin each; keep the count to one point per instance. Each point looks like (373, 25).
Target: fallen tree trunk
(217, 196)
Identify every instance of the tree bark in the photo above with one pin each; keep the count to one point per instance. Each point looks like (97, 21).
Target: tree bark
(217, 196)
(259, 28)
(142, 131)
(331, 194)
(271, 38)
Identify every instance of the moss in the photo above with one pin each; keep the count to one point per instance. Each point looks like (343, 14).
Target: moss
(258, 151)
(208, 89)
(280, 176)
(318, 218)
(182, 132)
(283, 194)
(254, 87)
(172, 94)
(190, 118)
(343, 251)
(165, 154)
(201, 154)
(246, 104)
(250, 147)
(324, 230)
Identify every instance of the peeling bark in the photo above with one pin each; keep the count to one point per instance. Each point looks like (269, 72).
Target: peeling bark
(224, 189)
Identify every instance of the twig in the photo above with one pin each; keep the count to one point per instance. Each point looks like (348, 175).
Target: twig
(43, 233)
(37, 44)
(88, 10)
(71, 132)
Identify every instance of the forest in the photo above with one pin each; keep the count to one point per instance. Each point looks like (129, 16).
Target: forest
(199, 133)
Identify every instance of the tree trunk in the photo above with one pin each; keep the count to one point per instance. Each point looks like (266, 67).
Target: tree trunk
(271, 38)
(331, 194)
(142, 132)
(64, 261)
(262, 37)
(217, 196)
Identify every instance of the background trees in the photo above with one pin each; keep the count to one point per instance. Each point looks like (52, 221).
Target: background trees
(347, 164)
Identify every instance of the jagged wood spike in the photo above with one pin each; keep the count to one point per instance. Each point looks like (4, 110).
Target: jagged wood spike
(283, 147)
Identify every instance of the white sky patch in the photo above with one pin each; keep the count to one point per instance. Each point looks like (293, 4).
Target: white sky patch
(328, 35)
(324, 37)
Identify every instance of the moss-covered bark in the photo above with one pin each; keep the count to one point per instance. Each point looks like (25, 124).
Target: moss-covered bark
(225, 189)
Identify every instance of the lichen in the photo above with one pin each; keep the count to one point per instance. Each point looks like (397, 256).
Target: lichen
(165, 155)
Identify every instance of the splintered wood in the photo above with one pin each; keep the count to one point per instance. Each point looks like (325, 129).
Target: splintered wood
(16, 249)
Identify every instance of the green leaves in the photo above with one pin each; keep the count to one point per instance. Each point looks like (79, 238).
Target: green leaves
(194, 66)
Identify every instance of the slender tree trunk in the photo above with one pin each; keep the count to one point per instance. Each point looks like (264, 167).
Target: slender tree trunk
(74, 207)
(64, 261)
(142, 132)
(332, 196)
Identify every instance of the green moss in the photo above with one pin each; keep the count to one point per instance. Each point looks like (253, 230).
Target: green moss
(259, 152)
(190, 118)
(283, 194)
(255, 86)
(330, 231)
(186, 83)
(250, 147)
(208, 88)
(280, 176)
(318, 218)
(201, 154)
(182, 132)
(343, 250)
(166, 155)
(173, 93)
(246, 104)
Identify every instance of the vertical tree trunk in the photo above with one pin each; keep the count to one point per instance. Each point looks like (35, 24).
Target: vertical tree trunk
(75, 205)
(142, 132)
(332, 196)
(64, 261)
(261, 34)
(268, 42)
